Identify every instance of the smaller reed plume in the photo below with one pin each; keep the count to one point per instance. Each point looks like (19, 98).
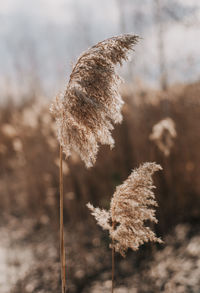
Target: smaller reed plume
(91, 104)
(163, 134)
(131, 206)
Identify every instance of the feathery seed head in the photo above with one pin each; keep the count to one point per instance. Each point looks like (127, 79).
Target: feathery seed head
(131, 206)
(91, 104)
(163, 134)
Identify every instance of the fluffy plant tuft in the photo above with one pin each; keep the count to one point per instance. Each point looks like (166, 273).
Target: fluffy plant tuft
(132, 205)
(163, 134)
(91, 104)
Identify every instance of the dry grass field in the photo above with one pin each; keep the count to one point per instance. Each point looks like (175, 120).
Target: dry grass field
(29, 204)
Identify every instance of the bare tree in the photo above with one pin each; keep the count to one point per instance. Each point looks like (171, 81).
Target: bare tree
(170, 12)
(160, 44)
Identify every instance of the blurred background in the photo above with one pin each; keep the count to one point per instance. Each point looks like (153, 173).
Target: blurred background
(40, 42)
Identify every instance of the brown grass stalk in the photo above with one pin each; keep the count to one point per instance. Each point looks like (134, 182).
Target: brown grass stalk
(132, 206)
(113, 260)
(62, 247)
(91, 104)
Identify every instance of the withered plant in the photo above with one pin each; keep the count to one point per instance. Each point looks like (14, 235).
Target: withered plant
(91, 104)
(131, 206)
(163, 134)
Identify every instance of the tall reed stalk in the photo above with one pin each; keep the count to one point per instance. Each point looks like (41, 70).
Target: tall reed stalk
(113, 259)
(91, 104)
(131, 206)
(62, 245)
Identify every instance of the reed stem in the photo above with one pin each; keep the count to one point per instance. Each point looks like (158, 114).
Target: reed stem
(62, 247)
(113, 259)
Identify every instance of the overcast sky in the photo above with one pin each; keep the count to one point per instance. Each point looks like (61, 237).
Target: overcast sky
(41, 39)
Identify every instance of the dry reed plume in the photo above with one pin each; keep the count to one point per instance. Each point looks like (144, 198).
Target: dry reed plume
(85, 113)
(91, 104)
(163, 134)
(131, 206)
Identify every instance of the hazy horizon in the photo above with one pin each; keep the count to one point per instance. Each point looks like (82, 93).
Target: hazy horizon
(41, 40)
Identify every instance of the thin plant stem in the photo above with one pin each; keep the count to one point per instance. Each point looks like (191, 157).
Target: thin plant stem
(113, 259)
(62, 247)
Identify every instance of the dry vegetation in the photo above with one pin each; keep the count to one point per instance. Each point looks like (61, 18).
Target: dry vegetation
(29, 188)
(91, 104)
(131, 207)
